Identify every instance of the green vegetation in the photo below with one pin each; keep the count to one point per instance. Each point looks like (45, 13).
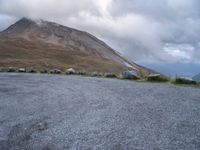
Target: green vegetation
(157, 78)
(110, 75)
(179, 80)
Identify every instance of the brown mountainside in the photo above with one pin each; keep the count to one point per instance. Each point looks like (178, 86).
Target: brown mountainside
(42, 44)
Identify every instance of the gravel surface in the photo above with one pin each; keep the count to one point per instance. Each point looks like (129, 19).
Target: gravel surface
(52, 112)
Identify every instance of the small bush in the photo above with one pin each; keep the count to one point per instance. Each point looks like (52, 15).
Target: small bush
(110, 75)
(157, 78)
(180, 80)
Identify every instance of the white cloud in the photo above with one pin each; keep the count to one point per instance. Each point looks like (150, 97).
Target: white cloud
(180, 52)
(139, 29)
(177, 53)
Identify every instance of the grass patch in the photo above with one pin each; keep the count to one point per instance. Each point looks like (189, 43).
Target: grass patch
(185, 81)
(110, 75)
(157, 78)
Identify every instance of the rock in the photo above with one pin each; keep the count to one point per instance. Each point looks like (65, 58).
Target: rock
(32, 70)
(70, 71)
(185, 80)
(55, 71)
(21, 70)
(44, 71)
(94, 73)
(130, 74)
(82, 72)
(1, 69)
(11, 69)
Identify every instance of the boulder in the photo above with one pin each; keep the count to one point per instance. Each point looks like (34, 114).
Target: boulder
(185, 80)
(94, 73)
(11, 69)
(82, 72)
(1, 69)
(21, 70)
(55, 71)
(44, 71)
(130, 74)
(32, 70)
(70, 71)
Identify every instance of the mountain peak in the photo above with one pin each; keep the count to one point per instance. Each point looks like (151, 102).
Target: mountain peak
(27, 26)
(63, 44)
(19, 27)
(38, 22)
(26, 20)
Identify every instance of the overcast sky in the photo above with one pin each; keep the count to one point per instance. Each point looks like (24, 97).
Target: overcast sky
(143, 30)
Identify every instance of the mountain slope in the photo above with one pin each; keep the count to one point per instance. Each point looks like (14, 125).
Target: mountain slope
(197, 78)
(43, 44)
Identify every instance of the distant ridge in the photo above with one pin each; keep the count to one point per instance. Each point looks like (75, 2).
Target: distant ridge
(197, 77)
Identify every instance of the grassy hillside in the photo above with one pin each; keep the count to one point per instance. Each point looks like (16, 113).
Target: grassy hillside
(24, 53)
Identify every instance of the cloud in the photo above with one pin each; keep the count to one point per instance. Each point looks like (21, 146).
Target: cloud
(140, 29)
(180, 52)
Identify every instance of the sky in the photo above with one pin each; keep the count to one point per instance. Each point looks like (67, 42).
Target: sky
(161, 34)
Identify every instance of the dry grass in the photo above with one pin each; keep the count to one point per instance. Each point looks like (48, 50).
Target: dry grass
(40, 55)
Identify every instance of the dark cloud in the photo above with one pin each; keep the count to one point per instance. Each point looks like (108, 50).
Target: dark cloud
(164, 30)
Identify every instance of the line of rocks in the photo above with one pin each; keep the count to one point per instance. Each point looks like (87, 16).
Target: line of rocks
(127, 74)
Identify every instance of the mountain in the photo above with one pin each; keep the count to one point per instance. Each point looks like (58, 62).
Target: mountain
(42, 44)
(197, 78)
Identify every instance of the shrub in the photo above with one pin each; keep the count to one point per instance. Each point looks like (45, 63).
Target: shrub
(157, 78)
(184, 80)
(110, 75)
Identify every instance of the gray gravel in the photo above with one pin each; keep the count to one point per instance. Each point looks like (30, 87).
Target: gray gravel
(44, 112)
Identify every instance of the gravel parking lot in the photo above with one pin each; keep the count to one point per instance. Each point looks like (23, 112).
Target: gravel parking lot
(54, 112)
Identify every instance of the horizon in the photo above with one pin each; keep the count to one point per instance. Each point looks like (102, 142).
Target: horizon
(165, 39)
